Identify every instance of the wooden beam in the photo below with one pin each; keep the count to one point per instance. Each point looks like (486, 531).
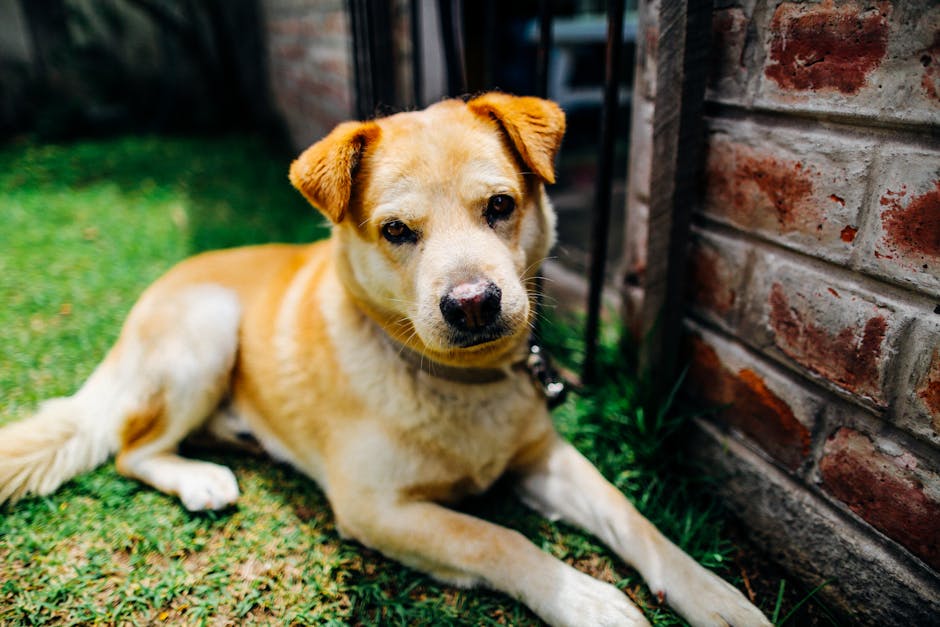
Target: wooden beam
(675, 185)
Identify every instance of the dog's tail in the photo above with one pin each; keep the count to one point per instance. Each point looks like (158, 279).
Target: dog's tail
(65, 437)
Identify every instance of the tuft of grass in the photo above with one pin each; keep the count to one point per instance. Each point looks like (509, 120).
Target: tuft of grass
(86, 227)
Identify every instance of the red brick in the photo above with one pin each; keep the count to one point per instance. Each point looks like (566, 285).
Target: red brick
(823, 47)
(875, 61)
(708, 281)
(930, 80)
(850, 355)
(716, 268)
(929, 391)
(904, 239)
(917, 409)
(800, 189)
(760, 185)
(891, 492)
(309, 65)
(912, 225)
(729, 36)
(747, 402)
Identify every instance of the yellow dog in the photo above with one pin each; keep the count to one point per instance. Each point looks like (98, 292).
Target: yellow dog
(385, 363)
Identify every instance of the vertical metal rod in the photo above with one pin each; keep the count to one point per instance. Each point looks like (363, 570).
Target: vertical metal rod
(362, 70)
(417, 62)
(602, 191)
(381, 56)
(450, 35)
(543, 54)
(489, 44)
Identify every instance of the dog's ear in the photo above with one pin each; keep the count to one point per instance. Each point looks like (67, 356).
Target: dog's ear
(324, 173)
(534, 126)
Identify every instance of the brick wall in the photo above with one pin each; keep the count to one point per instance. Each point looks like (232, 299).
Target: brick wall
(814, 289)
(310, 65)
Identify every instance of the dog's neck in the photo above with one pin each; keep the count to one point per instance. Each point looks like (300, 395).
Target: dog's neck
(455, 374)
(438, 369)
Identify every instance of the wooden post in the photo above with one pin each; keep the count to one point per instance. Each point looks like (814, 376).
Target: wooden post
(675, 185)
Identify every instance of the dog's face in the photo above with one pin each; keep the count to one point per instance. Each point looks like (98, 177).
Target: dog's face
(441, 219)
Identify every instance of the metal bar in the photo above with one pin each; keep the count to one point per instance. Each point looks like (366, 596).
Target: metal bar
(544, 51)
(417, 62)
(361, 69)
(451, 39)
(489, 44)
(382, 56)
(602, 191)
(373, 58)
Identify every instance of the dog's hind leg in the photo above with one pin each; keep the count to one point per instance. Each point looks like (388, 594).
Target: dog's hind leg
(178, 352)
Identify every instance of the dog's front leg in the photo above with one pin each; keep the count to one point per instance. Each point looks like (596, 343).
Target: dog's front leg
(563, 484)
(466, 551)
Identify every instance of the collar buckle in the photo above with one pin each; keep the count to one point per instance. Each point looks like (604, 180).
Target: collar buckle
(545, 376)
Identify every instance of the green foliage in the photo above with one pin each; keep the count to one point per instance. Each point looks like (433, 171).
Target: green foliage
(631, 437)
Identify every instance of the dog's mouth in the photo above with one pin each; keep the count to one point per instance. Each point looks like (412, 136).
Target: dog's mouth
(472, 339)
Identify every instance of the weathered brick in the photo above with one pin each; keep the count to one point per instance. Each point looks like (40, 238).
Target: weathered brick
(875, 60)
(916, 407)
(929, 390)
(903, 242)
(844, 335)
(801, 189)
(770, 409)
(861, 575)
(889, 488)
(309, 65)
(716, 272)
(728, 72)
(825, 47)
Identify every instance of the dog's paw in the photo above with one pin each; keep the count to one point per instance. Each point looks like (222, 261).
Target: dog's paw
(705, 600)
(583, 600)
(723, 604)
(207, 486)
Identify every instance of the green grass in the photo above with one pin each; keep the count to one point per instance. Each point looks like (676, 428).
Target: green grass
(85, 227)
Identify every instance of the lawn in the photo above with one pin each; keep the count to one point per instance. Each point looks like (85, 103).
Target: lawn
(85, 227)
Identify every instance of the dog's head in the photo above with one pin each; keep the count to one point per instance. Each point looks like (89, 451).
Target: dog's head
(441, 219)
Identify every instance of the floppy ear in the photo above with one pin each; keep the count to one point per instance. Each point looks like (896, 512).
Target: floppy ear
(324, 172)
(535, 127)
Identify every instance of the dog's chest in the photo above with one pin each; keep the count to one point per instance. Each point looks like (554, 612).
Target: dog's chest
(461, 440)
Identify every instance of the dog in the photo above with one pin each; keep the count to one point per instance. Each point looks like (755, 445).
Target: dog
(387, 363)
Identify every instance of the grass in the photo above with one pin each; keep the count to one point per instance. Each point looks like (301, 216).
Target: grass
(85, 228)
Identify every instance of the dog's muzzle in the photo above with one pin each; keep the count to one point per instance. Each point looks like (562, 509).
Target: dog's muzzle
(472, 310)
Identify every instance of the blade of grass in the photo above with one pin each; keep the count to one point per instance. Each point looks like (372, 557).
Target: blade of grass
(802, 602)
(776, 614)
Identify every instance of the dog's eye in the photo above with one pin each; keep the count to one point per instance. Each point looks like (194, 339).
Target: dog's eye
(397, 232)
(499, 208)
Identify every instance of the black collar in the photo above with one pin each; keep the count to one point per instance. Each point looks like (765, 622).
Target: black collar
(533, 361)
(455, 374)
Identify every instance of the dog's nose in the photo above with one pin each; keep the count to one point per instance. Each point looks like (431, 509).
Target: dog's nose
(472, 306)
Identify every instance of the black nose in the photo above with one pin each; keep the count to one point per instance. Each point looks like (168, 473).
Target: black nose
(472, 306)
